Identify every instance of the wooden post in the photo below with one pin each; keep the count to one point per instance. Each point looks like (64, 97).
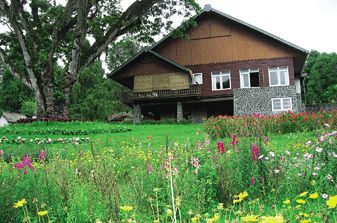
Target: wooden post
(180, 116)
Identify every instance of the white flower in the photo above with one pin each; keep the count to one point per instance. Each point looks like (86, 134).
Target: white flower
(329, 177)
(272, 154)
(276, 171)
(318, 149)
(325, 196)
(260, 157)
(299, 174)
(287, 152)
(317, 168)
(309, 142)
(315, 174)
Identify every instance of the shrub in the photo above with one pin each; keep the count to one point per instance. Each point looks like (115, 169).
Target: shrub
(28, 108)
(224, 126)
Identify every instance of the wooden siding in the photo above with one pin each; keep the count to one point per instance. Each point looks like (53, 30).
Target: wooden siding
(234, 68)
(147, 64)
(153, 82)
(219, 40)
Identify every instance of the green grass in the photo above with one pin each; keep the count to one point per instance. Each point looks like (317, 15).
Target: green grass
(176, 133)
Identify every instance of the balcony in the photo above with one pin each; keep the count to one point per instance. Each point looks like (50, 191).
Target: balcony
(193, 91)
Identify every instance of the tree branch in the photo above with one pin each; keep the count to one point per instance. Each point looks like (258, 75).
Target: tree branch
(12, 71)
(130, 17)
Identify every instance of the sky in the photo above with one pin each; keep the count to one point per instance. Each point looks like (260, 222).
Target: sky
(310, 24)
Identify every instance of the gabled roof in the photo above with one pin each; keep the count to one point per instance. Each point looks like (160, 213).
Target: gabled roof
(147, 50)
(207, 9)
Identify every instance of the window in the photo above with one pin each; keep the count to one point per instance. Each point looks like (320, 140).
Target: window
(221, 80)
(281, 104)
(278, 76)
(197, 78)
(249, 78)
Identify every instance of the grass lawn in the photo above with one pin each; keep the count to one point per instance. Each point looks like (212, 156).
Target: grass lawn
(177, 133)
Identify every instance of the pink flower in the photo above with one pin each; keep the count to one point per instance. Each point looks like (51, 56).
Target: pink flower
(196, 163)
(199, 144)
(252, 181)
(234, 140)
(26, 162)
(2, 152)
(149, 168)
(266, 140)
(255, 153)
(221, 147)
(206, 142)
(256, 115)
(42, 155)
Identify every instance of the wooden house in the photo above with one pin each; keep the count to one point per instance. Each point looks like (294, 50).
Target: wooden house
(224, 67)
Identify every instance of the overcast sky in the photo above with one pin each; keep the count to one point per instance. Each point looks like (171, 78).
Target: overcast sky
(310, 24)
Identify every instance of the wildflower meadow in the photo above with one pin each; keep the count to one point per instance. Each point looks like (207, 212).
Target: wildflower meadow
(266, 171)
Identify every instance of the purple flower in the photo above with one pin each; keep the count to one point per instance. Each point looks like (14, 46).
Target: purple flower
(26, 162)
(221, 147)
(255, 153)
(149, 168)
(234, 140)
(42, 155)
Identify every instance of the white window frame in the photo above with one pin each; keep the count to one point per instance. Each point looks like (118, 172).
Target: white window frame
(249, 71)
(278, 69)
(282, 104)
(221, 74)
(194, 80)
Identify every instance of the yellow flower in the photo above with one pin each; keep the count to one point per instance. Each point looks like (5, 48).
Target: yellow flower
(305, 215)
(313, 196)
(169, 212)
(271, 219)
(20, 203)
(305, 221)
(156, 221)
(332, 202)
(303, 194)
(287, 201)
(126, 208)
(42, 213)
(195, 219)
(249, 218)
(216, 217)
(240, 197)
(300, 201)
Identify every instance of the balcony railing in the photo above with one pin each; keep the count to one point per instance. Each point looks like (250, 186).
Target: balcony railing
(194, 90)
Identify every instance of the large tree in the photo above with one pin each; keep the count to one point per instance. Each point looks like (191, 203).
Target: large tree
(47, 42)
(321, 83)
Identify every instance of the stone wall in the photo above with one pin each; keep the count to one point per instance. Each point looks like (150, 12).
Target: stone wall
(250, 100)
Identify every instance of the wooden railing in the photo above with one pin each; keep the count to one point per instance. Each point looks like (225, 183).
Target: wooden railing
(194, 90)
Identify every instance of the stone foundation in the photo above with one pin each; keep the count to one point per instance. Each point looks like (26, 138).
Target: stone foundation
(250, 100)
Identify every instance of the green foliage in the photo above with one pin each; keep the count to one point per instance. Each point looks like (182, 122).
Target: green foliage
(94, 97)
(28, 108)
(224, 126)
(13, 93)
(322, 77)
(140, 181)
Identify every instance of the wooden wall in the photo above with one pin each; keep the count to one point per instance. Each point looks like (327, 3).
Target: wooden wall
(218, 40)
(234, 68)
(147, 64)
(169, 81)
